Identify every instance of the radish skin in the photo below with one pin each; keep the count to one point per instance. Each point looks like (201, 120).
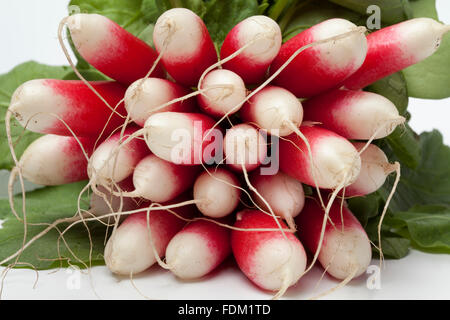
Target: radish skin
(320, 68)
(263, 37)
(335, 160)
(198, 249)
(143, 97)
(186, 46)
(228, 95)
(36, 104)
(283, 193)
(129, 249)
(266, 257)
(396, 47)
(357, 115)
(217, 193)
(375, 168)
(55, 160)
(346, 250)
(244, 146)
(111, 49)
(182, 138)
(159, 181)
(112, 162)
(274, 109)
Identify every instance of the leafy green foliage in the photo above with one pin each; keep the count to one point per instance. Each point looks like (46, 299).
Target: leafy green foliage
(404, 144)
(44, 206)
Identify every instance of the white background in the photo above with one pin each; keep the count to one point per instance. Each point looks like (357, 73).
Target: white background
(28, 31)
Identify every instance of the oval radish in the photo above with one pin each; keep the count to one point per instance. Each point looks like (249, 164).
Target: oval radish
(396, 47)
(223, 94)
(266, 257)
(324, 66)
(335, 160)
(217, 193)
(263, 37)
(186, 46)
(142, 98)
(346, 250)
(198, 249)
(111, 49)
(54, 160)
(355, 115)
(37, 104)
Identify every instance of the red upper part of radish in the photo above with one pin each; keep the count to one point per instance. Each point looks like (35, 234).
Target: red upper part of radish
(263, 37)
(324, 66)
(111, 49)
(185, 44)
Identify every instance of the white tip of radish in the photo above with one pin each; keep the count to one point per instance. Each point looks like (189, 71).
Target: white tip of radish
(265, 49)
(216, 193)
(228, 95)
(349, 253)
(36, 95)
(343, 53)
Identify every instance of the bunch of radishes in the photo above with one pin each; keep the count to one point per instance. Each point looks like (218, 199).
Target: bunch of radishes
(176, 163)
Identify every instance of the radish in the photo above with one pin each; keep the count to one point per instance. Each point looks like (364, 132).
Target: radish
(283, 193)
(224, 93)
(396, 47)
(186, 48)
(244, 147)
(345, 251)
(324, 66)
(54, 160)
(182, 138)
(336, 162)
(217, 193)
(354, 115)
(198, 249)
(271, 260)
(274, 109)
(111, 49)
(113, 161)
(262, 36)
(159, 181)
(129, 250)
(143, 98)
(48, 105)
(375, 167)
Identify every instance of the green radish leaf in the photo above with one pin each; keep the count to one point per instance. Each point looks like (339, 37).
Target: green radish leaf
(404, 144)
(365, 207)
(44, 206)
(152, 9)
(391, 11)
(8, 84)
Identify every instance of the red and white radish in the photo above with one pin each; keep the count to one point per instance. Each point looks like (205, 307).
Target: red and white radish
(274, 109)
(357, 115)
(283, 193)
(54, 160)
(223, 93)
(42, 106)
(143, 98)
(185, 44)
(113, 161)
(396, 47)
(262, 36)
(271, 260)
(198, 249)
(244, 146)
(182, 138)
(375, 167)
(111, 49)
(335, 161)
(217, 193)
(345, 251)
(322, 67)
(129, 250)
(159, 180)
